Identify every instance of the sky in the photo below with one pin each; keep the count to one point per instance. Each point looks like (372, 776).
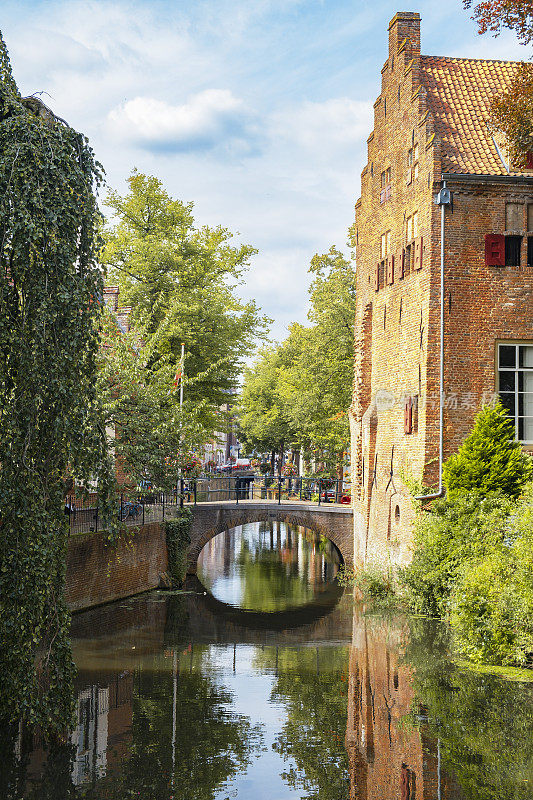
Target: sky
(257, 111)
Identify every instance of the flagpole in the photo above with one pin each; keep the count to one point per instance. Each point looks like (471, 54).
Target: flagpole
(182, 367)
(182, 363)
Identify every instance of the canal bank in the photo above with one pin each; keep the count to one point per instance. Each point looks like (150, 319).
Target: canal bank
(202, 694)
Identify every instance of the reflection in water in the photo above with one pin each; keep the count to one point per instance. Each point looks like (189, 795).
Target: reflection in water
(268, 567)
(175, 704)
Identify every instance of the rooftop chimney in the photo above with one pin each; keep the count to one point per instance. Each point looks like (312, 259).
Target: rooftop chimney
(405, 25)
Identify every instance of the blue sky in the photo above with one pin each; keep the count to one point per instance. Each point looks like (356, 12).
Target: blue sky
(258, 111)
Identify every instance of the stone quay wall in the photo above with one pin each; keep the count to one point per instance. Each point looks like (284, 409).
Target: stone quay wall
(99, 573)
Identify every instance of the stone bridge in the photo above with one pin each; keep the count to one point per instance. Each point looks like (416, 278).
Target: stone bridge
(209, 519)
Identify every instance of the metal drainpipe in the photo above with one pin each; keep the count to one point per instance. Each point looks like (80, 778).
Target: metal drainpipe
(443, 199)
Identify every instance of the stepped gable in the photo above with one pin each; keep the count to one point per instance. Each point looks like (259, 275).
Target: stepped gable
(459, 92)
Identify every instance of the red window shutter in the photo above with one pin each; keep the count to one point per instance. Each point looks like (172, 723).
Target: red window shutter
(376, 278)
(408, 415)
(419, 249)
(529, 159)
(494, 250)
(390, 270)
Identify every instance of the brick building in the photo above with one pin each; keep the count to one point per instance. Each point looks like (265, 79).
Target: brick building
(439, 202)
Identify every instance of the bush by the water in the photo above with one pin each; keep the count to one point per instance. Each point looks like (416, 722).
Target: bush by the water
(372, 581)
(446, 538)
(473, 551)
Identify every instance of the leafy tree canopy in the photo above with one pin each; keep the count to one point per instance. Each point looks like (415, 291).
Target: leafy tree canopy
(310, 375)
(180, 281)
(493, 15)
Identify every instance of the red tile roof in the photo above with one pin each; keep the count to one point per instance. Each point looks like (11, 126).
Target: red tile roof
(458, 96)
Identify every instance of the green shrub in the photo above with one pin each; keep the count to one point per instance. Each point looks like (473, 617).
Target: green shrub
(490, 459)
(178, 539)
(445, 538)
(372, 582)
(492, 601)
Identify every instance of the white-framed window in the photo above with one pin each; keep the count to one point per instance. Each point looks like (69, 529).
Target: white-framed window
(386, 244)
(515, 386)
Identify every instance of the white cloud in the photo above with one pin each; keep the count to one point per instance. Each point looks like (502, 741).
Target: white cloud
(208, 119)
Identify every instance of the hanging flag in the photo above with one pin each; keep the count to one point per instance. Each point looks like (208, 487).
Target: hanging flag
(179, 372)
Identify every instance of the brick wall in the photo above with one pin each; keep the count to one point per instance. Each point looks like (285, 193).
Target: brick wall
(397, 326)
(98, 573)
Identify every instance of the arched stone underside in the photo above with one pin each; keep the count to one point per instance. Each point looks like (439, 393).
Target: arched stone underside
(295, 617)
(336, 524)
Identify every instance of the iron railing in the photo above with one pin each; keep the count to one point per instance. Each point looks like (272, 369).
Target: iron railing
(144, 506)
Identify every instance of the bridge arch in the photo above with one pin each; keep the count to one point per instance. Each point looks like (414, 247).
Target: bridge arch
(210, 519)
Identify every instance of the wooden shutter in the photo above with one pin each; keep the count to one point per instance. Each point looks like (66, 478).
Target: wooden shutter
(419, 249)
(376, 278)
(494, 250)
(390, 270)
(402, 264)
(408, 415)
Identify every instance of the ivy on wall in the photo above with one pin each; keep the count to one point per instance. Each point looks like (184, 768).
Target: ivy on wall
(178, 538)
(50, 290)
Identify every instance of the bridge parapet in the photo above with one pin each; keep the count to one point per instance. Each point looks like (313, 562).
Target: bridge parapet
(209, 519)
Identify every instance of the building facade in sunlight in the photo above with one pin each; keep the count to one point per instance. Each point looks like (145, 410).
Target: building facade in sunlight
(438, 196)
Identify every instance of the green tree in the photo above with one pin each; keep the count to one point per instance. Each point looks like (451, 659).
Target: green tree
(180, 281)
(263, 421)
(147, 429)
(446, 539)
(50, 282)
(304, 384)
(490, 459)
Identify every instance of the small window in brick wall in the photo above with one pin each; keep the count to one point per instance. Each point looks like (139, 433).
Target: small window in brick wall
(530, 251)
(513, 245)
(419, 252)
(514, 215)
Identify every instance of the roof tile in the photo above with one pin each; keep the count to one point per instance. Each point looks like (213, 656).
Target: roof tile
(458, 95)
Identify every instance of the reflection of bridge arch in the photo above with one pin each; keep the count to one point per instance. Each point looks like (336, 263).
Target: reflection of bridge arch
(210, 519)
(294, 617)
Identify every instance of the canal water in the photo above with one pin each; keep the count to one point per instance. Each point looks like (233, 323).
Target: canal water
(265, 681)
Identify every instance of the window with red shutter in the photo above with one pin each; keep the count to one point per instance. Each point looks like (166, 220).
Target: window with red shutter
(494, 250)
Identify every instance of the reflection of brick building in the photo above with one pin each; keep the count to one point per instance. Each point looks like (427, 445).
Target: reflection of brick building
(389, 759)
(430, 132)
